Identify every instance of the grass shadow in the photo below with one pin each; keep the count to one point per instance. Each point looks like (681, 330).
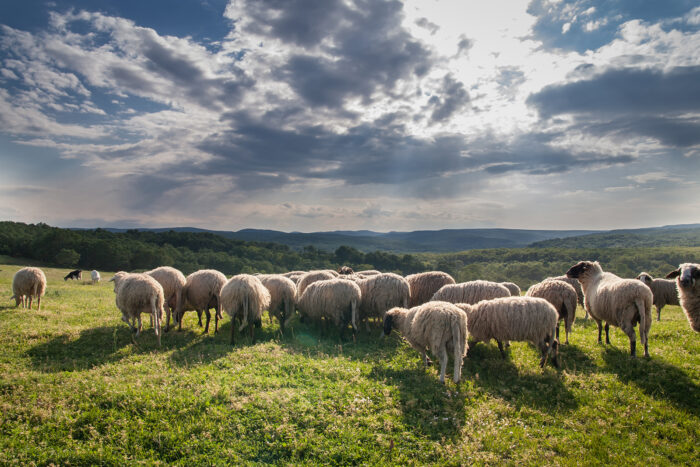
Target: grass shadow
(655, 377)
(543, 389)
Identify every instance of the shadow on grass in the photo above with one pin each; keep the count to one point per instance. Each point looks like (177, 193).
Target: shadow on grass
(95, 347)
(655, 377)
(543, 389)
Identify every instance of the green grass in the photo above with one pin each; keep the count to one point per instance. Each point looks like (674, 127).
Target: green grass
(75, 390)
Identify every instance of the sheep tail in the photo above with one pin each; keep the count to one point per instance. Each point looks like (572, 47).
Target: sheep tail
(244, 320)
(156, 312)
(641, 308)
(353, 315)
(459, 342)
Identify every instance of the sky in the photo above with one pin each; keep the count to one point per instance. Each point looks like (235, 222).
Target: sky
(314, 115)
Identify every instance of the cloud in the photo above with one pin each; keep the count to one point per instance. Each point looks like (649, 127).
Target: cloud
(451, 99)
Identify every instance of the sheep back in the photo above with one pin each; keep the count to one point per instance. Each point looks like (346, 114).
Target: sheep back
(245, 297)
(202, 290)
(283, 294)
(172, 282)
(470, 292)
(311, 277)
(381, 292)
(561, 295)
(334, 299)
(424, 285)
(664, 291)
(512, 287)
(28, 282)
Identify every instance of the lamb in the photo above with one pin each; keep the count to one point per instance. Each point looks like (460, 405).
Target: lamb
(562, 296)
(95, 276)
(201, 292)
(470, 292)
(311, 277)
(689, 292)
(244, 297)
(577, 287)
(283, 294)
(512, 288)
(382, 292)
(136, 294)
(528, 319)
(74, 275)
(28, 283)
(663, 291)
(335, 300)
(617, 301)
(438, 326)
(172, 281)
(424, 285)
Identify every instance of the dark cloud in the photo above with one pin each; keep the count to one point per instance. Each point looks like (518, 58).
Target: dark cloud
(630, 102)
(451, 99)
(426, 24)
(589, 29)
(464, 45)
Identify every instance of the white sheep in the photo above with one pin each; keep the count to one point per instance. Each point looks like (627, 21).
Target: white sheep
(244, 297)
(136, 294)
(172, 282)
(470, 292)
(527, 319)
(664, 292)
(562, 296)
(28, 283)
(334, 300)
(424, 285)
(283, 295)
(687, 276)
(311, 277)
(512, 287)
(95, 276)
(617, 301)
(368, 272)
(438, 326)
(576, 285)
(380, 293)
(201, 292)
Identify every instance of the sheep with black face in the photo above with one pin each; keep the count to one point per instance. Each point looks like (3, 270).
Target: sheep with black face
(688, 280)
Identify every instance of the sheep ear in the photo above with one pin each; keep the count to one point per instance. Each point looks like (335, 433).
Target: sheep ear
(673, 274)
(696, 273)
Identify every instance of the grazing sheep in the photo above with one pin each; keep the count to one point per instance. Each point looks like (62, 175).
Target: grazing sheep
(512, 287)
(136, 294)
(514, 319)
(424, 285)
(201, 292)
(470, 292)
(382, 292)
(345, 270)
(689, 292)
(95, 276)
(172, 281)
(664, 292)
(74, 275)
(244, 297)
(617, 301)
(577, 287)
(311, 277)
(28, 283)
(283, 294)
(562, 296)
(335, 300)
(438, 326)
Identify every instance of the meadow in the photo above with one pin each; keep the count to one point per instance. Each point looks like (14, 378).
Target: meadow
(75, 390)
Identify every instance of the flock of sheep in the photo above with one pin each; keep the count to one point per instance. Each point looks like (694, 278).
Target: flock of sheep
(429, 309)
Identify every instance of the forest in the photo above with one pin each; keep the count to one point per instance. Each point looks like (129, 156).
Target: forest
(136, 250)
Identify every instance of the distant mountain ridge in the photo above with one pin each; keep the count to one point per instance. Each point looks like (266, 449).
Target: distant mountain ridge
(685, 235)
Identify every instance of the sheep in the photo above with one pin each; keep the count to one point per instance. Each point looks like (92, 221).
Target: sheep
(663, 291)
(438, 326)
(74, 275)
(311, 277)
(369, 272)
(512, 288)
(562, 296)
(470, 292)
(617, 301)
(172, 281)
(95, 276)
(345, 270)
(382, 292)
(514, 319)
(136, 294)
(28, 283)
(689, 292)
(244, 297)
(283, 294)
(294, 273)
(335, 300)
(424, 285)
(201, 292)
(577, 287)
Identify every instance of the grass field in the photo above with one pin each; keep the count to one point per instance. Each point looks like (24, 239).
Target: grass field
(75, 390)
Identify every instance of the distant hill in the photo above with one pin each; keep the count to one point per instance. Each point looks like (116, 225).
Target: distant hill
(420, 241)
(687, 235)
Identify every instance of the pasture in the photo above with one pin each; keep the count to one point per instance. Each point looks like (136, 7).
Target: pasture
(75, 390)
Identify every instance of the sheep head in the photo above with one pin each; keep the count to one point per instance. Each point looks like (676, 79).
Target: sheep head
(645, 278)
(583, 269)
(687, 274)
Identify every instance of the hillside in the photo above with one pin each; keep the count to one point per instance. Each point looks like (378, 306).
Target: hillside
(672, 235)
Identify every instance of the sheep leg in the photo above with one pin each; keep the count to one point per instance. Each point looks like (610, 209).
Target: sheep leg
(251, 326)
(443, 363)
(38, 303)
(168, 312)
(138, 330)
(600, 331)
(233, 331)
(500, 347)
(31, 297)
(206, 328)
(658, 313)
(607, 333)
(216, 321)
(128, 323)
(199, 318)
(628, 329)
